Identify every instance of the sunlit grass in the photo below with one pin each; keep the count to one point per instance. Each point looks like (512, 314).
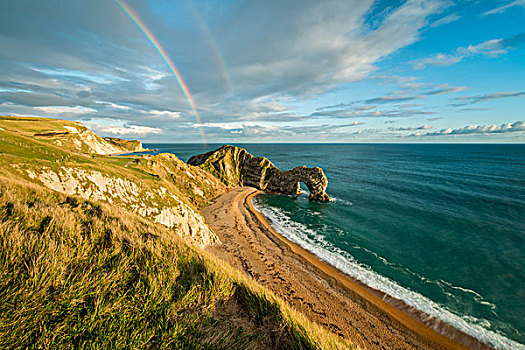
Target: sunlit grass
(79, 274)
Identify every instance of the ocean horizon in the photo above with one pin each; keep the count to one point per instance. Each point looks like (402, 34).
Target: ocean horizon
(438, 226)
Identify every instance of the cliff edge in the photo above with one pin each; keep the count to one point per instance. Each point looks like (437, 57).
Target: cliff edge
(129, 145)
(68, 135)
(237, 167)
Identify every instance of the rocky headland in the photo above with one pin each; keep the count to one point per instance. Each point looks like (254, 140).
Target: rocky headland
(129, 145)
(237, 167)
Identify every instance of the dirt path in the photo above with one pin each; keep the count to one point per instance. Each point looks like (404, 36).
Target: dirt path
(321, 292)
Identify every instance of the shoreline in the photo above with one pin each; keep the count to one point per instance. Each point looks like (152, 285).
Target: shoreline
(403, 325)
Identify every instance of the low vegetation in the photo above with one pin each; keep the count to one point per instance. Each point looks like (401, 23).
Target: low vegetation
(78, 274)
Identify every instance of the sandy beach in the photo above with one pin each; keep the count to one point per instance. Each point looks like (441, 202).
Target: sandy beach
(323, 293)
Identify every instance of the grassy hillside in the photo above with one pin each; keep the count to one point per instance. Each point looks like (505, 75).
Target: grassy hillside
(161, 188)
(92, 273)
(80, 274)
(129, 145)
(72, 136)
(21, 151)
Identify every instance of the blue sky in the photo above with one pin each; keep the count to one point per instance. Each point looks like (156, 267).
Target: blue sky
(271, 71)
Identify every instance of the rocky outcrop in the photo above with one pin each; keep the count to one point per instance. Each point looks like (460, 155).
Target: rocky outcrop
(152, 202)
(129, 145)
(287, 182)
(236, 167)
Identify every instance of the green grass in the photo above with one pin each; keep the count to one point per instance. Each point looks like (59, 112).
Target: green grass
(33, 125)
(79, 274)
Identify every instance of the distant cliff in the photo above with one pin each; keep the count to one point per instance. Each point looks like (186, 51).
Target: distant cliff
(71, 136)
(129, 145)
(236, 167)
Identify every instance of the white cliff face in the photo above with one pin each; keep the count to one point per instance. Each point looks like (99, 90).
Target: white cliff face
(187, 220)
(82, 139)
(157, 204)
(97, 144)
(94, 142)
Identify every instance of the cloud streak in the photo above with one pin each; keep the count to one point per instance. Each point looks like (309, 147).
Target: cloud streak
(411, 128)
(490, 48)
(491, 96)
(503, 8)
(518, 126)
(124, 130)
(445, 20)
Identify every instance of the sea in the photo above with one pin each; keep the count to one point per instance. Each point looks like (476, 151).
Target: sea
(438, 226)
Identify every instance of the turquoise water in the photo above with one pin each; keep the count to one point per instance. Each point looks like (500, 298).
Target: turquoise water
(441, 227)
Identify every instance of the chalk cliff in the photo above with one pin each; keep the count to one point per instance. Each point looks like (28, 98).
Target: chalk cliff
(129, 145)
(236, 167)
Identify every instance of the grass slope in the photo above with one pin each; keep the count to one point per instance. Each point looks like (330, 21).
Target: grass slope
(71, 136)
(83, 275)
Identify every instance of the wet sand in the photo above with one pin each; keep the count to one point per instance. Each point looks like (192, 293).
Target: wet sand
(327, 296)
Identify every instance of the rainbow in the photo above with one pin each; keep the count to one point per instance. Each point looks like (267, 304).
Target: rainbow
(213, 46)
(149, 35)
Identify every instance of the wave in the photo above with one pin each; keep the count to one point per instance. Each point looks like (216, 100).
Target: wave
(341, 201)
(315, 243)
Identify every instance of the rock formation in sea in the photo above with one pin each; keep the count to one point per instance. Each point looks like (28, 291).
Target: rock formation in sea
(237, 167)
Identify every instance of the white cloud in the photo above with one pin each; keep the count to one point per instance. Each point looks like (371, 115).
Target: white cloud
(518, 126)
(411, 128)
(491, 96)
(224, 125)
(504, 8)
(152, 74)
(113, 105)
(445, 20)
(70, 73)
(58, 110)
(164, 114)
(125, 130)
(439, 59)
(444, 89)
(489, 48)
(312, 53)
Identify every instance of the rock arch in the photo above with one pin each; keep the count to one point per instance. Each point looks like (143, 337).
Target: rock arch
(236, 167)
(287, 182)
